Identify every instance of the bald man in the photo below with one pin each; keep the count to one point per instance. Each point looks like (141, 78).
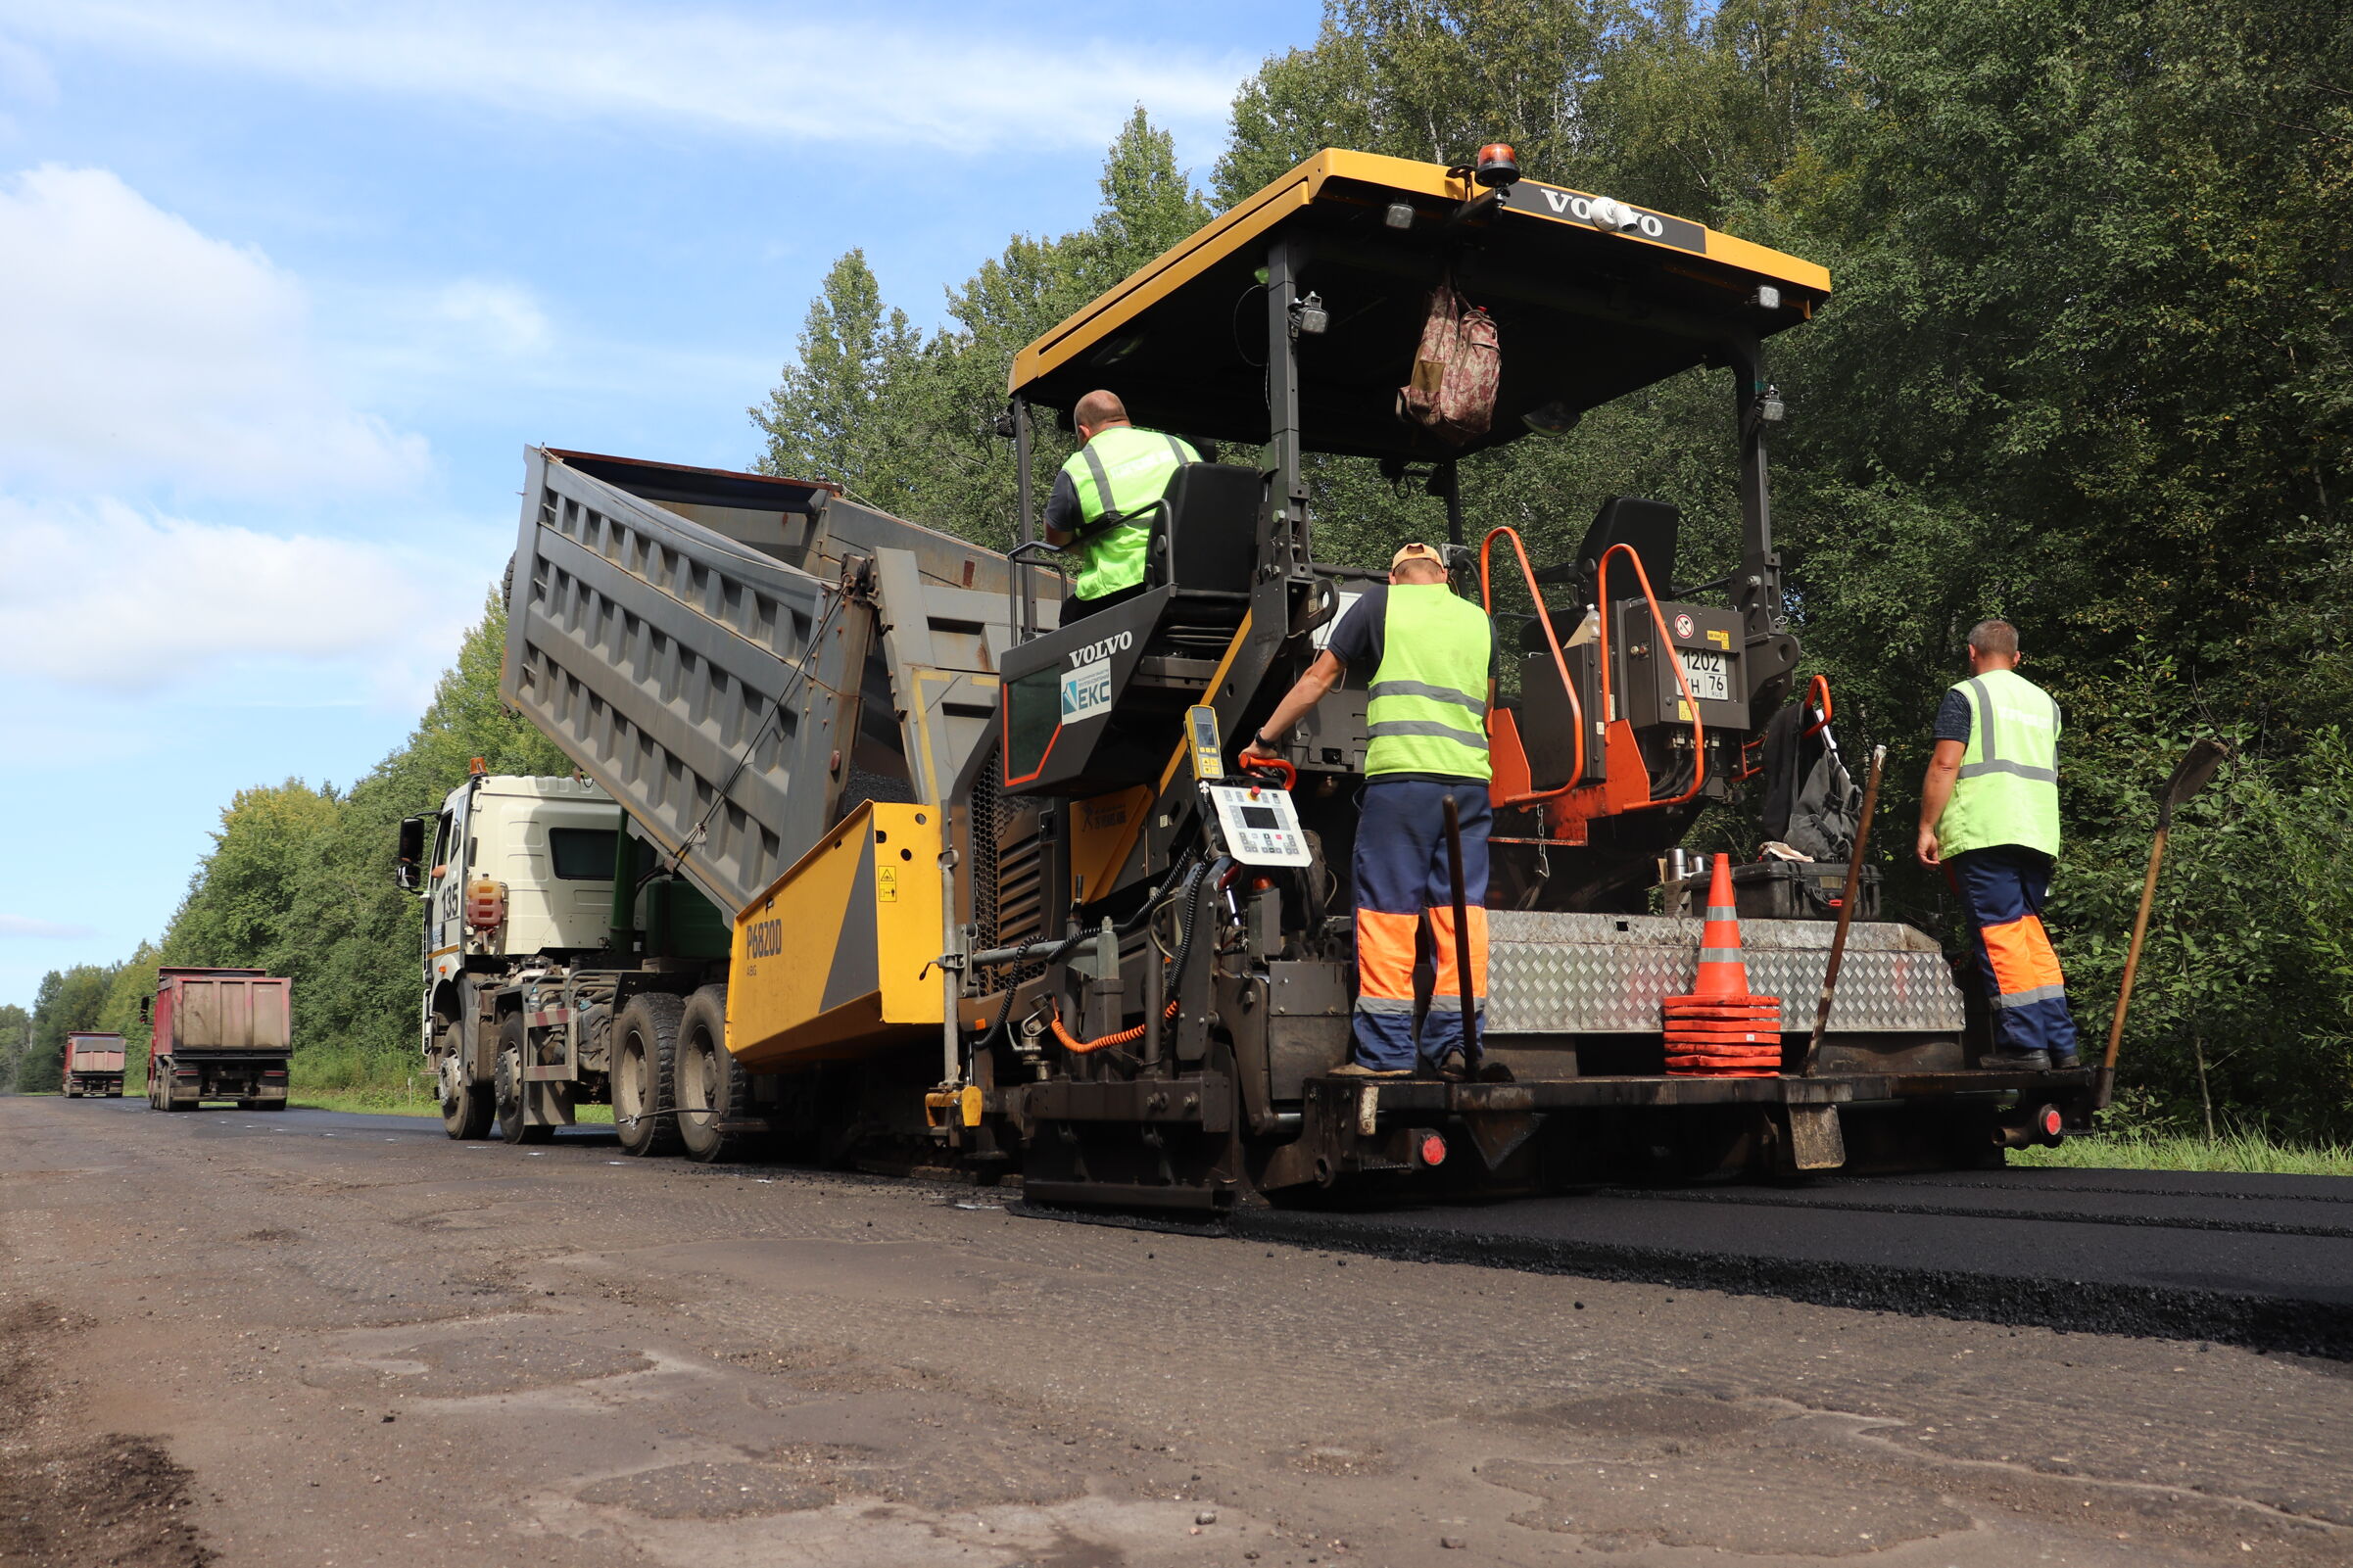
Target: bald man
(1101, 504)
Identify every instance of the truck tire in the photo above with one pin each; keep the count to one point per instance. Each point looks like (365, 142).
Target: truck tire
(645, 1075)
(508, 1085)
(712, 1086)
(465, 1106)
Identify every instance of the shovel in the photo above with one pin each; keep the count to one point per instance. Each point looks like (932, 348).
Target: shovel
(2190, 776)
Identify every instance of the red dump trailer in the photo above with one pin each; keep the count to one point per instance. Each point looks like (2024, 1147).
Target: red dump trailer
(93, 1064)
(219, 1035)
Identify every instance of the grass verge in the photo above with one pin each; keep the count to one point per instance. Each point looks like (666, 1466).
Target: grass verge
(2244, 1153)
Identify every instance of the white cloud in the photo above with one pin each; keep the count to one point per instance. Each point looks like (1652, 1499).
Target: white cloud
(97, 595)
(27, 926)
(844, 77)
(141, 352)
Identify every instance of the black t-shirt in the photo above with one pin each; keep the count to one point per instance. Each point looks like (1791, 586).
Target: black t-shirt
(1955, 718)
(1358, 640)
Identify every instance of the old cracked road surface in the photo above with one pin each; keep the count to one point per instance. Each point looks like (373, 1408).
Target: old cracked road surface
(312, 1339)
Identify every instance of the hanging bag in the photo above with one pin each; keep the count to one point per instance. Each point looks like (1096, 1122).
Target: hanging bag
(1452, 392)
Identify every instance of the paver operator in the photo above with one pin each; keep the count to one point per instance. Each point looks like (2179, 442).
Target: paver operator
(1102, 498)
(1433, 656)
(1989, 817)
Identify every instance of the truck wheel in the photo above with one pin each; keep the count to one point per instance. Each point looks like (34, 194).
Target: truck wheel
(465, 1106)
(712, 1086)
(508, 1085)
(644, 1073)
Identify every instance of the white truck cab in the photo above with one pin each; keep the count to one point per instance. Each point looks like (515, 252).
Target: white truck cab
(518, 866)
(516, 875)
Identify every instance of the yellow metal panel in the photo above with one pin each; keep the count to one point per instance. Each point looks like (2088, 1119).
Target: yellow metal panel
(828, 962)
(1103, 830)
(1248, 219)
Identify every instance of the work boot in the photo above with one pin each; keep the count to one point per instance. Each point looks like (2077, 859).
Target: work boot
(1358, 1069)
(1451, 1070)
(2017, 1061)
(2065, 1061)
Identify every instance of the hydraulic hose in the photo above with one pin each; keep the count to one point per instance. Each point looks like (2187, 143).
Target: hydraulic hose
(1199, 878)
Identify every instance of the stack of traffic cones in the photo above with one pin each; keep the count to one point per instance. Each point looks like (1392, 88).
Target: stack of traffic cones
(1721, 1030)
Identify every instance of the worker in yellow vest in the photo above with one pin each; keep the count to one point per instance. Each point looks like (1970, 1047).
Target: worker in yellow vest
(1101, 503)
(1990, 817)
(1432, 657)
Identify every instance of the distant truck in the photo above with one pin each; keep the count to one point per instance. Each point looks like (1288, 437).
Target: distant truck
(219, 1035)
(93, 1065)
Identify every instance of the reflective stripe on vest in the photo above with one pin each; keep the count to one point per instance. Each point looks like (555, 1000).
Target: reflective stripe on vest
(2008, 789)
(1119, 475)
(1427, 697)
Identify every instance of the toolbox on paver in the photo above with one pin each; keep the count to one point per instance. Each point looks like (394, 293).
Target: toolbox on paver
(1779, 889)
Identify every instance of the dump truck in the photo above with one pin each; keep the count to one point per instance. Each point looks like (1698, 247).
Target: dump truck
(219, 1035)
(93, 1065)
(996, 892)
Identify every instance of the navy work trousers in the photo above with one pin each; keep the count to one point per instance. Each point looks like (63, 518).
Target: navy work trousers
(2003, 888)
(1403, 891)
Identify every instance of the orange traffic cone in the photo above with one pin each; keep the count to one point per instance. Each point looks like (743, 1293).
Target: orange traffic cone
(1722, 972)
(1722, 1029)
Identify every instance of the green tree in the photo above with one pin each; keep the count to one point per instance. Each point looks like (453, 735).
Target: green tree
(908, 418)
(828, 416)
(15, 1034)
(239, 912)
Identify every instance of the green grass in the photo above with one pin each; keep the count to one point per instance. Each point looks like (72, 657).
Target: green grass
(2241, 1152)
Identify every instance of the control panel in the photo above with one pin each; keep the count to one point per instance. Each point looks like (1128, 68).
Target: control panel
(1258, 825)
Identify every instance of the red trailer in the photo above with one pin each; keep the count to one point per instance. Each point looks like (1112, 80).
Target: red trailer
(219, 1035)
(93, 1064)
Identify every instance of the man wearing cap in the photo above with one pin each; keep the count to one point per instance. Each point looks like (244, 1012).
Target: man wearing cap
(1102, 501)
(1433, 656)
(1989, 817)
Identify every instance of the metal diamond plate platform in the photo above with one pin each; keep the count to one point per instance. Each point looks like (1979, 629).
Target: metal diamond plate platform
(1608, 974)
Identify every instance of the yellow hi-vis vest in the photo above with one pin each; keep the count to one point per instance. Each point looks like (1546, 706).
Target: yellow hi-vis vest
(1122, 472)
(2008, 790)
(1428, 712)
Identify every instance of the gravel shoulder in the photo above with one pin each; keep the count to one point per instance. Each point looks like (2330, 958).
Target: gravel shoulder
(320, 1339)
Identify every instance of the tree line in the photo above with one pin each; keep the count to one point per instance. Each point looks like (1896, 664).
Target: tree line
(2085, 367)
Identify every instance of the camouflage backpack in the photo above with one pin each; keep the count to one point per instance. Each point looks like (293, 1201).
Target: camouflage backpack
(1451, 393)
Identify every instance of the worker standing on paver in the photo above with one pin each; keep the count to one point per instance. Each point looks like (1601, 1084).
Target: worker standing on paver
(1102, 500)
(1989, 817)
(1432, 656)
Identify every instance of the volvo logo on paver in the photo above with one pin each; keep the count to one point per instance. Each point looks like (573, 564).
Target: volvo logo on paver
(1572, 207)
(1117, 643)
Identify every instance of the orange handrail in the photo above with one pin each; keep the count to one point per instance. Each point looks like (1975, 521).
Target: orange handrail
(1821, 684)
(1552, 639)
(1699, 732)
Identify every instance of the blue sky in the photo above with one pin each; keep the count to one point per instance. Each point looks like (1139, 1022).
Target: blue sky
(285, 288)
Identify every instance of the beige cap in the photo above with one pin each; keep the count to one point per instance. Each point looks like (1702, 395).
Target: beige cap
(1414, 552)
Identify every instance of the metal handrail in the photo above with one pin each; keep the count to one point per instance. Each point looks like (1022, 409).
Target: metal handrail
(1552, 639)
(1699, 731)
